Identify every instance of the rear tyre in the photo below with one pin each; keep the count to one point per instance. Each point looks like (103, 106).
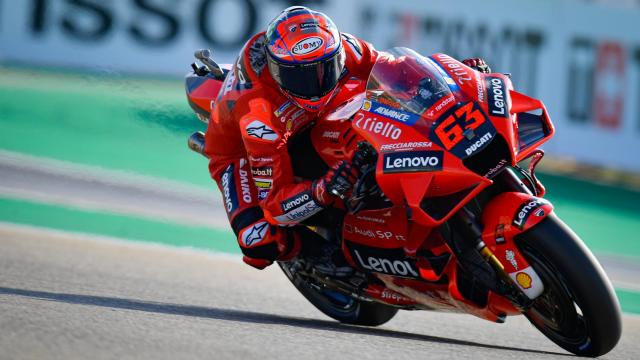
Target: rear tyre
(340, 306)
(578, 309)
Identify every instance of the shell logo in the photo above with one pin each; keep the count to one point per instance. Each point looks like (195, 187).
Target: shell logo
(366, 106)
(307, 45)
(524, 280)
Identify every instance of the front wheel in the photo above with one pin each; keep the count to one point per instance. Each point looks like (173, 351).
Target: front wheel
(578, 309)
(340, 306)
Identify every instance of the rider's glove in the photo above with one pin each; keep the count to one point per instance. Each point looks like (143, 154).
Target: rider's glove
(477, 64)
(277, 243)
(336, 183)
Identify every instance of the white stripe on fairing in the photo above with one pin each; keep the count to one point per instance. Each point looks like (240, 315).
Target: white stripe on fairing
(93, 188)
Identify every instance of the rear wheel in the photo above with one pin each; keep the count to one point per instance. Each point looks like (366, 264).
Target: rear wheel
(578, 309)
(338, 305)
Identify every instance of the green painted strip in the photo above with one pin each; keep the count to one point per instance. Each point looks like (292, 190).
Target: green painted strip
(605, 217)
(629, 301)
(121, 124)
(125, 227)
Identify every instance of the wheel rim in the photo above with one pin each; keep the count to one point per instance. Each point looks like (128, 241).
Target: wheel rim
(337, 301)
(556, 312)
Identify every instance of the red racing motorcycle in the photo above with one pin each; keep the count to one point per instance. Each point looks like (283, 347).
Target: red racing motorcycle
(447, 214)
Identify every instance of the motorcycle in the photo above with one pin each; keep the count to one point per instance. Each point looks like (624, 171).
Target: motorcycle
(447, 214)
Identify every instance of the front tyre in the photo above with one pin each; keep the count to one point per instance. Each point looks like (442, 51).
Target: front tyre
(340, 306)
(579, 309)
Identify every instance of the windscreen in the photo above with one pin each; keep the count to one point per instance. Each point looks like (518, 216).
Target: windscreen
(408, 81)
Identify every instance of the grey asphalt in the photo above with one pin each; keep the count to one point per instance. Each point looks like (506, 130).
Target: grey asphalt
(68, 296)
(92, 188)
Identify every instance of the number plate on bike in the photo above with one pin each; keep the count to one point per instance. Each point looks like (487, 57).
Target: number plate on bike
(464, 131)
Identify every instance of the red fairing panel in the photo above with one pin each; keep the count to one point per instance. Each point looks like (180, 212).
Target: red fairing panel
(506, 216)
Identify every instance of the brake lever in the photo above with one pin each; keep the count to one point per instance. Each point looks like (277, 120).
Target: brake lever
(365, 187)
(364, 160)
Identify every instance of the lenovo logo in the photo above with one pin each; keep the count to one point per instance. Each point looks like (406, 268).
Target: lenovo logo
(387, 266)
(411, 161)
(497, 101)
(524, 211)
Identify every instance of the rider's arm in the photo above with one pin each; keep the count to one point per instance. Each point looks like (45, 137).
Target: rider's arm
(285, 201)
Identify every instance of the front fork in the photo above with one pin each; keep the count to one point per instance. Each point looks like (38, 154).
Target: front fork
(503, 217)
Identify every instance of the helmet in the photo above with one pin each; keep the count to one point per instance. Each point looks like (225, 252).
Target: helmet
(305, 56)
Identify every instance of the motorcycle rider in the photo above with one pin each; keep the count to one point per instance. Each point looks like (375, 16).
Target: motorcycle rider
(258, 135)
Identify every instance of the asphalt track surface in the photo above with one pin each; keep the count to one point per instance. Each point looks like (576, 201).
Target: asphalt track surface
(68, 296)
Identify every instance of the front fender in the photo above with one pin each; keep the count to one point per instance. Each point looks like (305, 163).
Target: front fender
(504, 217)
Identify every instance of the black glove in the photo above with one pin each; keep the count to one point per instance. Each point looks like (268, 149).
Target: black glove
(336, 183)
(477, 64)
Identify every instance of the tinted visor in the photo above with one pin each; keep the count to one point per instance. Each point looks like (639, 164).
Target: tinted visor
(310, 80)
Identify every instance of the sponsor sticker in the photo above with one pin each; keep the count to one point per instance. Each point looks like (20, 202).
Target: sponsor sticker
(264, 186)
(524, 280)
(262, 171)
(478, 144)
(391, 261)
(298, 208)
(479, 88)
(455, 67)
(496, 169)
(308, 45)
(524, 211)
(332, 135)
(309, 25)
(445, 75)
(228, 190)
(412, 161)
(371, 219)
(511, 257)
(244, 182)
(260, 159)
(282, 108)
(497, 90)
(255, 234)
(394, 296)
(378, 127)
(406, 145)
(260, 130)
(528, 281)
(296, 201)
(442, 105)
(393, 114)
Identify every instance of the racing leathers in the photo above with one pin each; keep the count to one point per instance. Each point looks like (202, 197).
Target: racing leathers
(248, 139)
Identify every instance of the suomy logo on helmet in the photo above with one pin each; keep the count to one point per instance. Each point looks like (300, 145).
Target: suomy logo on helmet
(307, 45)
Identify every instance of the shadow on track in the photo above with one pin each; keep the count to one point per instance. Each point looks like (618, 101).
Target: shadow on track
(242, 316)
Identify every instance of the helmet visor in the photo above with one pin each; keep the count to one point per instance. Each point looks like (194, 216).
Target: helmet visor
(310, 80)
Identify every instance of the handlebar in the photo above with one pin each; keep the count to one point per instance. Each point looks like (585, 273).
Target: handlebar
(204, 56)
